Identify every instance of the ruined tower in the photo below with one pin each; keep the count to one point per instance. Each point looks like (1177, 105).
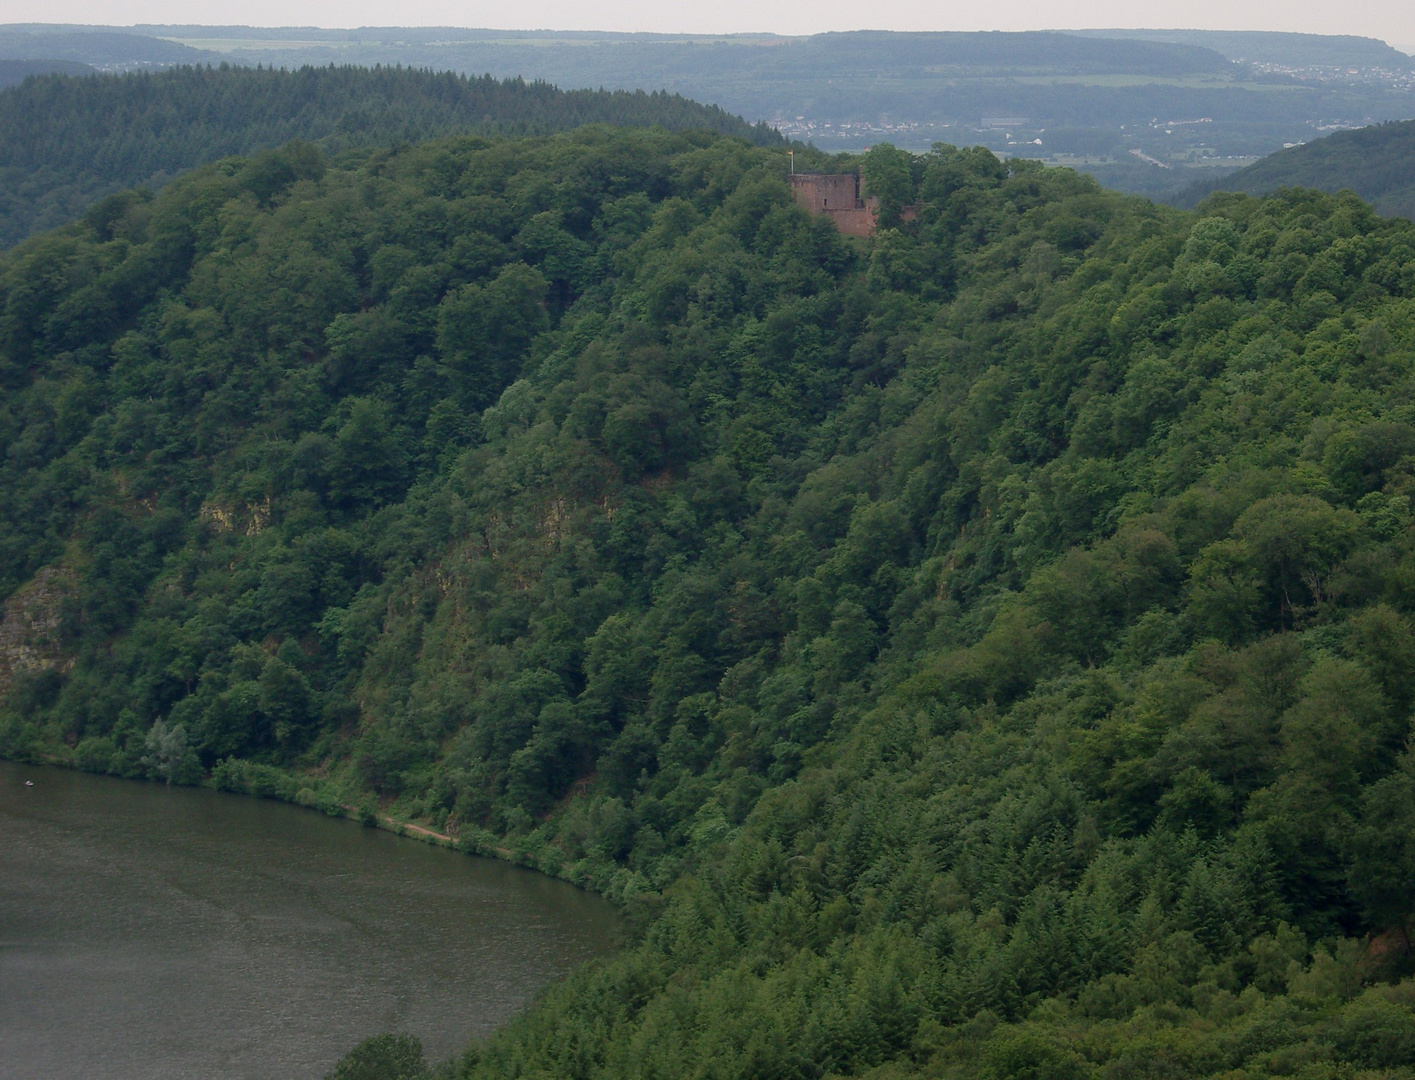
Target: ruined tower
(837, 196)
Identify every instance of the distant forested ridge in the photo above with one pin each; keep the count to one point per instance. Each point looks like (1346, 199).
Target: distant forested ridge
(103, 48)
(1275, 48)
(986, 650)
(13, 72)
(1378, 163)
(1199, 103)
(65, 142)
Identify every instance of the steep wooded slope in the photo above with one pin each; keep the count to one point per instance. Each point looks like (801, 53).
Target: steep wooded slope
(982, 651)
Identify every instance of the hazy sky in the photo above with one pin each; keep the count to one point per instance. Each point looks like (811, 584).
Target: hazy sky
(1392, 20)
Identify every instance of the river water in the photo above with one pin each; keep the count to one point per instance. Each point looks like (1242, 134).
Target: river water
(154, 933)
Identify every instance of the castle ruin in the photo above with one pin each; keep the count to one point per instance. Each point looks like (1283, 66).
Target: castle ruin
(837, 196)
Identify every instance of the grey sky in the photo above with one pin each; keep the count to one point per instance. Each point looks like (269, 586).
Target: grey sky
(1391, 20)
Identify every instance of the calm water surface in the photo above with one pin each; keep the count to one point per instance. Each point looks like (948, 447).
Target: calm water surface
(149, 933)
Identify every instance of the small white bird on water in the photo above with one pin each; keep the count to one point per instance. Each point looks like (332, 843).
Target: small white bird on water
(29, 783)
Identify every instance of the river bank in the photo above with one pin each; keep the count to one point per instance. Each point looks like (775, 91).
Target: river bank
(260, 781)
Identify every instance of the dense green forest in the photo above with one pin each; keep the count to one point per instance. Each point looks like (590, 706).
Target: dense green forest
(985, 650)
(67, 141)
(1375, 162)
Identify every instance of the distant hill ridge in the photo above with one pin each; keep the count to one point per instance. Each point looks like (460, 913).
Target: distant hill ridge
(1377, 162)
(65, 141)
(100, 47)
(1268, 47)
(1082, 98)
(13, 72)
(1035, 48)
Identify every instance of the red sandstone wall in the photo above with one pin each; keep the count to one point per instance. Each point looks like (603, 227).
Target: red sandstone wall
(859, 222)
(837, 196)
(823, 192)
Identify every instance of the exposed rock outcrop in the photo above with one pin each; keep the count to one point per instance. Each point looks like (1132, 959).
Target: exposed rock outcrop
(29, 630)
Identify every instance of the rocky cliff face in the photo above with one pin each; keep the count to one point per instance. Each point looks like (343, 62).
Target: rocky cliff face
(29, 629)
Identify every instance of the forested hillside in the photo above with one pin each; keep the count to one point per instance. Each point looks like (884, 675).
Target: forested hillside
(1378, 163)
(980, 651)
(66, 142)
